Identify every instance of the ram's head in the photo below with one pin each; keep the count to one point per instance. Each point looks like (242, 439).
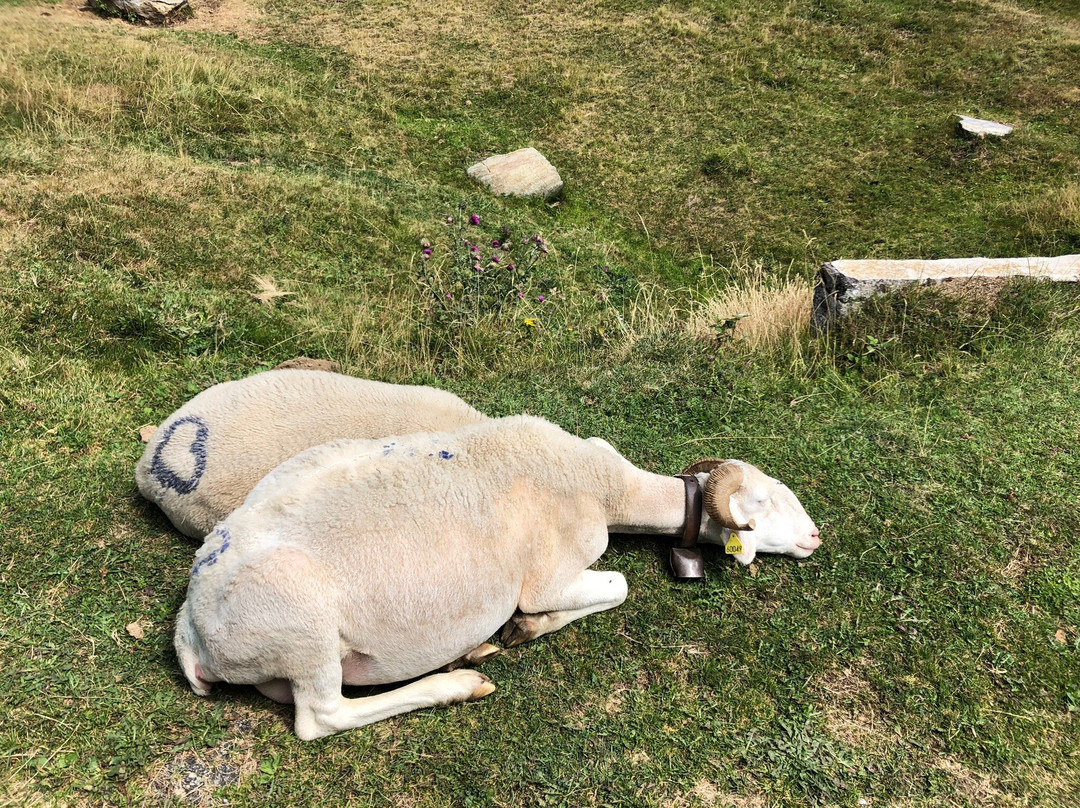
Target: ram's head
(741, 498)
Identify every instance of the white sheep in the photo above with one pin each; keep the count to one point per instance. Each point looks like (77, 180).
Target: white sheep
(370, 562)
(207, 456)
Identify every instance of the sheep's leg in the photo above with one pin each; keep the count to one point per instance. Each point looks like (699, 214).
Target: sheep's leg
(322, 710)
(478, 655)
(591, 591)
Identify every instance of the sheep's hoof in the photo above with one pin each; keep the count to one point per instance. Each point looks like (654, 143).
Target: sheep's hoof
(474, 657)
(485, 688)
(518, 629)
(481, 654)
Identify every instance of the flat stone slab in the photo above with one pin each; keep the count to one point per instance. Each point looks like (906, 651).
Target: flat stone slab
(842, 285)
(981, 128)
(525, 172)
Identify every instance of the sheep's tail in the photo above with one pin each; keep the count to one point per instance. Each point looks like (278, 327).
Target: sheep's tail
(187, 655)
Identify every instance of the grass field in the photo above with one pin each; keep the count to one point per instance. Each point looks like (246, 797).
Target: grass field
(154, 181)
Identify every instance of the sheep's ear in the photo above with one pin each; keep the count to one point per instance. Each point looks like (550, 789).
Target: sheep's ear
(706, 465)
(749, 551)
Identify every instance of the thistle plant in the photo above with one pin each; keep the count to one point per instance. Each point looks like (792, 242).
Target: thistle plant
(477, 274)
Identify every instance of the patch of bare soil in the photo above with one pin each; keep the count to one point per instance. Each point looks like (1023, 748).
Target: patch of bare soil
(76, 11)
(704, 792)
(976, 786)
(847, 704)
(240, 17)
(192, 776)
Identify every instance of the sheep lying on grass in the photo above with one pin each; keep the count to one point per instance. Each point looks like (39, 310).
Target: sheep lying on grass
(367, 562)
(207, 456)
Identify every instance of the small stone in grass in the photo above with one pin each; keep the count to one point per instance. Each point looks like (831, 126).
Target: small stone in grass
(136, 630)
(525, 172)
(981, 128)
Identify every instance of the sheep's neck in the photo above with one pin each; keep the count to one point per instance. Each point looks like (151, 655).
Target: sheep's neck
(652, 504)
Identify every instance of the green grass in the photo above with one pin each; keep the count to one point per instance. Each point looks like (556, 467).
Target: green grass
(926, 655)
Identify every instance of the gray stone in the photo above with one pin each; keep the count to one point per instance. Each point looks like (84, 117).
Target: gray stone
(981, 128)
(155, 11)
(525, 172)
(842, 285)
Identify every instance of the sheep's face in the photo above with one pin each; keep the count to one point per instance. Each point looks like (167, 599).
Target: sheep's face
(780, 524)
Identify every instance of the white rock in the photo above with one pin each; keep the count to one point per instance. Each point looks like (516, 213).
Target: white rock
(981, 128)
(525, 172)
(156, 11)
(841, 285)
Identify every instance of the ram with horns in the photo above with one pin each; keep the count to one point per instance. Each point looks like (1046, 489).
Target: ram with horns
(366, 562)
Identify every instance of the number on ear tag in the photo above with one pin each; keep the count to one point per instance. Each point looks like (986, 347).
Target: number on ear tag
(733, 546)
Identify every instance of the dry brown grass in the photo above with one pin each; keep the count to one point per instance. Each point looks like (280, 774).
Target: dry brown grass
(267, 290)
(771, 311)
(1054, 211)
(705, 793)
(75, 75)
(978, 787)
(847, 703)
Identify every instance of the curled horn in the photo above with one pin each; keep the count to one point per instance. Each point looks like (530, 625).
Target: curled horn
(724, 480)
(698, 466)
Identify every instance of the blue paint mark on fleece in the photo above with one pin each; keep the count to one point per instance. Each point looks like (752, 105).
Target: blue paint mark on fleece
(444, 455)
(165, 475)
(211, 558)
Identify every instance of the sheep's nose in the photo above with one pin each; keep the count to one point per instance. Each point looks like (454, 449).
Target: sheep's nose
(815, 533)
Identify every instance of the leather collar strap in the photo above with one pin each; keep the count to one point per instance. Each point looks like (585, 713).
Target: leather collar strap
(687, 563)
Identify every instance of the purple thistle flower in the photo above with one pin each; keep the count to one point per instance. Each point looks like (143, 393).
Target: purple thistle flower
(494, 259)
(427, 252)
(521, 295)
(474, 219)
(496, 243)
(540, 299)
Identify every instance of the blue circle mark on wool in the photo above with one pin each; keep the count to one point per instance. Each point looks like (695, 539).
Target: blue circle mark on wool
(165, 475)
(211, 558)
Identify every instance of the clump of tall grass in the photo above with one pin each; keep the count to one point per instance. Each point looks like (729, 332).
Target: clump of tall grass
(759, 310)
(1056, 212)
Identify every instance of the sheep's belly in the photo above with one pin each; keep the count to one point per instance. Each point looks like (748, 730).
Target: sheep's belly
(401, 658)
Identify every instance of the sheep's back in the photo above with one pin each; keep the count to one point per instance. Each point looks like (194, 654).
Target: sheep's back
(208, 455)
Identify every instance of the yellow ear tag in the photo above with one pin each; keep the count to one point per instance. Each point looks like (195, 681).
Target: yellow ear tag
(733, 546)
